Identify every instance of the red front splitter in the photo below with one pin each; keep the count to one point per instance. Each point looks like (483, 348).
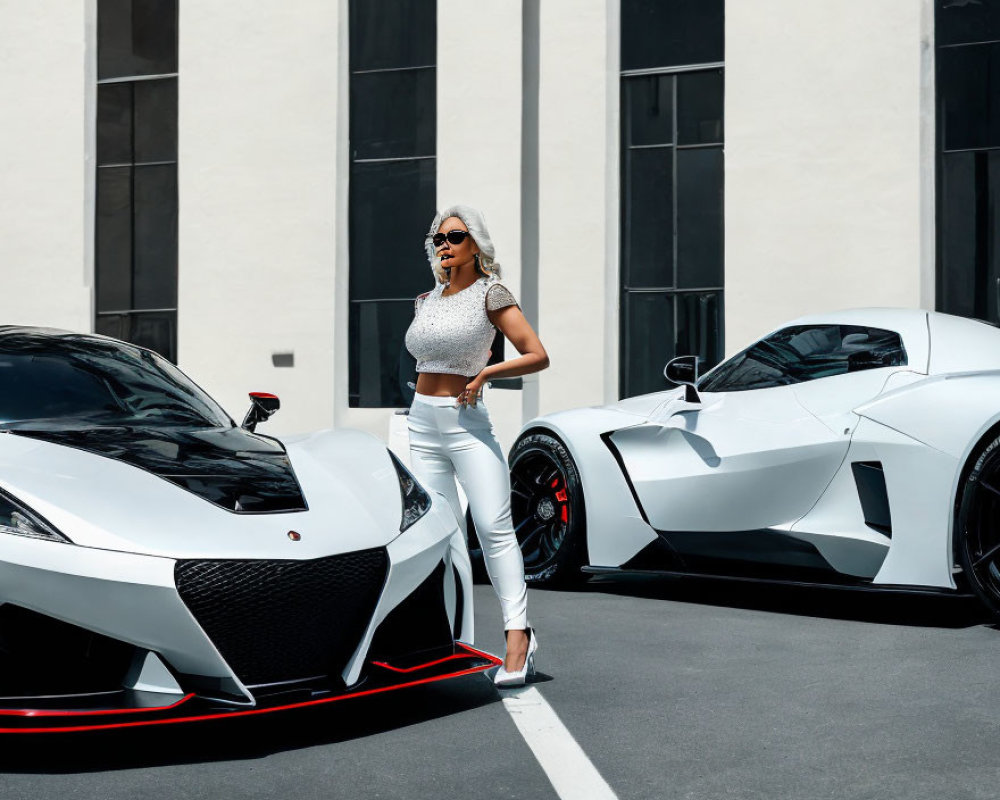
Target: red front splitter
(382, 677)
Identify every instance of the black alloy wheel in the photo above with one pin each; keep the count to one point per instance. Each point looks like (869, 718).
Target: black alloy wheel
(547, 509)
(977, 525)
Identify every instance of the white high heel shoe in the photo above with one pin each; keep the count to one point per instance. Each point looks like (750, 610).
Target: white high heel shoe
(503, 679)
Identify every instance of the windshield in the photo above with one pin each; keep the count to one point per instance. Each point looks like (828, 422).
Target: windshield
(804, 353)
(69, 381)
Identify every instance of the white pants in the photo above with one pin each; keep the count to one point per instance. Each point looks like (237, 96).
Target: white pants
(448, 441)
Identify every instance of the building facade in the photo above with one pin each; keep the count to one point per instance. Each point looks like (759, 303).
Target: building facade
(248, 192)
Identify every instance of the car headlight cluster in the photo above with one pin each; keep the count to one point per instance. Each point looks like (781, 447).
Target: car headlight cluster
(416, 502)
(18, 519)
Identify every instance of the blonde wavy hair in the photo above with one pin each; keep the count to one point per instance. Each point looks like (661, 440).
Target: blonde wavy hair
(474, 220)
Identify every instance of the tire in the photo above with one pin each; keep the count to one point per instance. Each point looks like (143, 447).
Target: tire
(977, 524)
(548, 510)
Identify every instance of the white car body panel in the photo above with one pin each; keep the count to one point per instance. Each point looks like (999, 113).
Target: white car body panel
(352, 491)
(765, 454)
(782, 459)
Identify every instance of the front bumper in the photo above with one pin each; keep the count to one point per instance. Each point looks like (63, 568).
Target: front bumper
(255, 648)
(381, 677)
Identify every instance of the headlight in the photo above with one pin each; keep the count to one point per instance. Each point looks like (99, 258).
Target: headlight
(416, 502)
(20, 520)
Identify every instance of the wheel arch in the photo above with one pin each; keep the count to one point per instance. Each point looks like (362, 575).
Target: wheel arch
(989, 431)
(615, 530)
(556, 434)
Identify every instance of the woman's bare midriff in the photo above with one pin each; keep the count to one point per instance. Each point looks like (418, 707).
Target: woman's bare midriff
(440, 384)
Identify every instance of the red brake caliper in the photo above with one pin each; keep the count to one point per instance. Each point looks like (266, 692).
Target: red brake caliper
(561, 497)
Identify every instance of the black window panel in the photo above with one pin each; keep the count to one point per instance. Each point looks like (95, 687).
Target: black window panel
(393, 114)
(114, 123)
(699, 327)
(655, 33)
(699, 218)
(968, 81)
(699, 107)
(969, 269)
(114, 238)
(391, 205)
(649, 217)
(959, 21)
(377, 332)
(650, 337)
(959, 198)
(387, 34)
(649, 110)
(155, 330)
(156, 120)
(136, 37)
(155, 259)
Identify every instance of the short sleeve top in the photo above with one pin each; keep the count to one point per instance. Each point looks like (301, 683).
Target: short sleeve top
(452, 334)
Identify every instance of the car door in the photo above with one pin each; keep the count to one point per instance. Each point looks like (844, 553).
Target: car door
(752, 455)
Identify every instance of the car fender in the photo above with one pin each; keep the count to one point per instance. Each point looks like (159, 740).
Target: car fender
(616, 530)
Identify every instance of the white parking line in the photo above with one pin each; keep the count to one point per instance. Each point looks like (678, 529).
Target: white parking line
(569, 770)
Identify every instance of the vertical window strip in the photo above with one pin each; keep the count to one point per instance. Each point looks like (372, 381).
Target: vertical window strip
(392, 190)
(136, 186)
(686, 317)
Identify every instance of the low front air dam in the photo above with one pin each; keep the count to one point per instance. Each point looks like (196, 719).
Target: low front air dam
(125, 596)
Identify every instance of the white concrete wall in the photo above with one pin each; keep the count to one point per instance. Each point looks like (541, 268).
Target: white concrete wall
(479, 142)
(46, 160)
(578, 112)
(258, 128)
(824, 159)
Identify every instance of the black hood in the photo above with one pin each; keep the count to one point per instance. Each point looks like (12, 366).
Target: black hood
(230, 467)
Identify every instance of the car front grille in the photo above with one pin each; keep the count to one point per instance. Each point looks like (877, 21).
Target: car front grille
(277, 621)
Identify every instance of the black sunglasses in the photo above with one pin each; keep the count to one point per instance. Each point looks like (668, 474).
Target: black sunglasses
(453, 237)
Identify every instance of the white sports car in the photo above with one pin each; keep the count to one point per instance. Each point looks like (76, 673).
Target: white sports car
(159, 563)
(858, 448)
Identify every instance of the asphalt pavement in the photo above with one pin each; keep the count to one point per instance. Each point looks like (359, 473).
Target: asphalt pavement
(672, 688)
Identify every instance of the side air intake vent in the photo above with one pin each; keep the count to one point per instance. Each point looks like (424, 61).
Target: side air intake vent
(870, 480)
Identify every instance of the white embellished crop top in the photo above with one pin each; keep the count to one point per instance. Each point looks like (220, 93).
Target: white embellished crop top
(452, 333)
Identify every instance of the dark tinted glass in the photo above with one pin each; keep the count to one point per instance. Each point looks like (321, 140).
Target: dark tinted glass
(393, 33)
(699, 327)
(699, 218)
(665, 33)
(391, 205)
(155, 275)
(156, 120)
(650, 337)
(393, 114)
(699, 107)
(648, 110)
(969, 267)
(966, 21)
(958, 236)
(377, 330)
(114, 123)
(136, 37)
(803, 353)
(114, 238)
(77, 380)
(970, 102)
(649, 217)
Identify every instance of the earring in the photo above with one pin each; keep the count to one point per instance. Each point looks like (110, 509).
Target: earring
(479, 266)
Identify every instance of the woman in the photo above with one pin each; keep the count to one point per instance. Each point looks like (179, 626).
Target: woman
(450, 430)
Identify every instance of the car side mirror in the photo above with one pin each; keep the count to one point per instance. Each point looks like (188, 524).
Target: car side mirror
(683, 371)
(262, 408)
